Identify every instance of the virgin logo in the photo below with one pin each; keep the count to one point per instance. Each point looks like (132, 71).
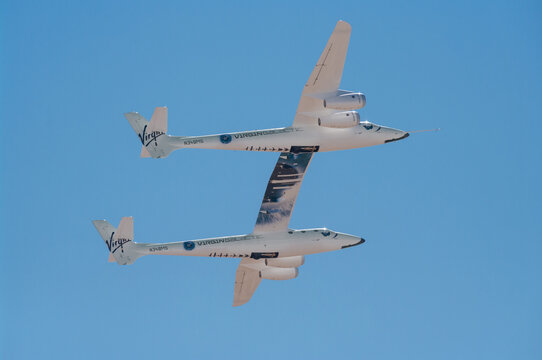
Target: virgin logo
(144, 137)
(115, 244)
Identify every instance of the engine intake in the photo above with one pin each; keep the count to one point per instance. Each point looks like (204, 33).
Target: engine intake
(343, 119)
(348, 101)
(276, 273)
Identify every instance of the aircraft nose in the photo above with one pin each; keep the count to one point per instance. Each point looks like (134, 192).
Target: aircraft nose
(396, 135)
(358, 242)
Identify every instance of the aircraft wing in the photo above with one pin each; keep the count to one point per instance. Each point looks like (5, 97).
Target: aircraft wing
(247, 279)
(274, 215)
(282, 190)
(326, 76)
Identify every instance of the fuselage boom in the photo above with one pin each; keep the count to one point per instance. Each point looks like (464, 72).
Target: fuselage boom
(256, 246)
(292, 139)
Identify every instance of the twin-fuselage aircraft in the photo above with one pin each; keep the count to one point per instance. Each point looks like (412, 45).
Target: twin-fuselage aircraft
(326, 120)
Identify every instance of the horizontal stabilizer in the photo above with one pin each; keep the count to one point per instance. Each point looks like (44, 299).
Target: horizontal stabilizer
(138, 122)
(104, 228)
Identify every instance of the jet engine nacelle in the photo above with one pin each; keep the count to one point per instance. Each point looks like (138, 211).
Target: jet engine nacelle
(286, 262)
(276, 273)
(348, 101)
(343, 119)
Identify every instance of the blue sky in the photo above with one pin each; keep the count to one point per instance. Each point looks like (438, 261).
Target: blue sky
(451, 267)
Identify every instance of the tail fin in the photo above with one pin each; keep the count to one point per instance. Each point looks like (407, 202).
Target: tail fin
(122, 249)
(152, 134)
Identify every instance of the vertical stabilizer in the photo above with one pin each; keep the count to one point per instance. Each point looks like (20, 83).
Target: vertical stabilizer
(153, 134)
(159, 120)
(119, 241)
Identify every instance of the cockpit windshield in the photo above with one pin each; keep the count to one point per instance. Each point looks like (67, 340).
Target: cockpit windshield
(368, 126)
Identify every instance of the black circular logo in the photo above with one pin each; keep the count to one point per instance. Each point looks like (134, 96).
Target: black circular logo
(225, 139)
(189, 245)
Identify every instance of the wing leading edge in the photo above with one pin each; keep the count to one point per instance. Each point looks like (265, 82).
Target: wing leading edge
(325, 77)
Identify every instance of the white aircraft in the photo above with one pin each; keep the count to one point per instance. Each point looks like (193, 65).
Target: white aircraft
(325, 121)
(272, 251)
(325, 118)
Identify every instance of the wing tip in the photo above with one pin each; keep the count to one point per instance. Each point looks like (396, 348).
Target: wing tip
(343, 25)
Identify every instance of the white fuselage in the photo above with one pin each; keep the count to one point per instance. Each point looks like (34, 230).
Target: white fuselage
(255, 246)
(290, 139)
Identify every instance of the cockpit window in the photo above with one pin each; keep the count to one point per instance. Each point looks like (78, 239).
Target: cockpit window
(368, 126)
(326, 232)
